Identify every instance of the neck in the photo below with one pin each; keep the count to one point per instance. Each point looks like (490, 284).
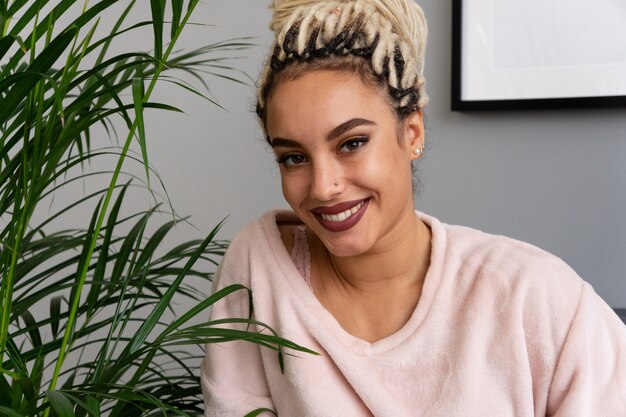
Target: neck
(399, 261)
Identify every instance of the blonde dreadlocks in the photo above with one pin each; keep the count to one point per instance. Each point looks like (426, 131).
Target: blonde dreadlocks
(388, 35)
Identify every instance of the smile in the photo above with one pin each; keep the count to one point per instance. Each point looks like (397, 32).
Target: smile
(341, 217)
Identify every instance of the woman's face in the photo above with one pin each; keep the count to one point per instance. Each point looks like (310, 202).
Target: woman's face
(344, 172)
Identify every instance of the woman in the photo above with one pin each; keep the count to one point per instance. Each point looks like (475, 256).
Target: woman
(411, 317)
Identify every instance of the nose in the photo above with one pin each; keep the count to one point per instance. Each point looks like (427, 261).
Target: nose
(326, 180)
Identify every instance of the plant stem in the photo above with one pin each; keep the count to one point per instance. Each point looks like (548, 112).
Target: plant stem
(5, 19)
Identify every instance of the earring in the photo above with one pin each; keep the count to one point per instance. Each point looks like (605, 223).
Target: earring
(419, 151)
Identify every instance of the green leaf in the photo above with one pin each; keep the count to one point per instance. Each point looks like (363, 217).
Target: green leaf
(26, 18)
(204, 304)
(60, 403)
(9, 412)
(92, 406)
(27, 387)
(33, 328)
(17, 395)
(36, 373)
(55, 315)
(138, 98)
(17, 359)
(5, 391)
(151, 321)
(177, 10)
(158, 13)
(41, 65)
(16, 5)
(79, 281)
(260, 411)
(98, 277)
(47, 25)
(154, 243)
(126, 251)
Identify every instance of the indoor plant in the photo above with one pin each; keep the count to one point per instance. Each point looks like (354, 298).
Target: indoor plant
(85, 328)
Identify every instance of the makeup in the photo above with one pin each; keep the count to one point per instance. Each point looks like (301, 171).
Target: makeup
(342, 216)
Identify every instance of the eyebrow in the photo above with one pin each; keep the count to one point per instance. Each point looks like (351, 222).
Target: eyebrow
(333, 134)
(347, 126)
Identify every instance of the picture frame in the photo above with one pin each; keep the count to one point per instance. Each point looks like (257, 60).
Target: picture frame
(509, 55)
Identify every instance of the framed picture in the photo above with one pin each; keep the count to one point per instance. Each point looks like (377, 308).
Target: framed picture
(511, 54)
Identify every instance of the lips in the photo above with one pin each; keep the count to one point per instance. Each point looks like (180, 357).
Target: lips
(342, 216)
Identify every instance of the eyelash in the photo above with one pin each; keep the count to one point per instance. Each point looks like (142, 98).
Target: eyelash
(359, 141)
(284, 159)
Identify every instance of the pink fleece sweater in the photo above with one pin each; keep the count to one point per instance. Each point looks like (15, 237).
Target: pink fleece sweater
(502, 329)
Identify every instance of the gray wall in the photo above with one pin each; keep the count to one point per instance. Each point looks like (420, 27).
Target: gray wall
(552, 178)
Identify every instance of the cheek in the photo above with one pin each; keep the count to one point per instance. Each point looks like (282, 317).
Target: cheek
(386, 165)
(387, 172)
(293, 188)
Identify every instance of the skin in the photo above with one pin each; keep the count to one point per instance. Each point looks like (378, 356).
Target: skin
(370, 276)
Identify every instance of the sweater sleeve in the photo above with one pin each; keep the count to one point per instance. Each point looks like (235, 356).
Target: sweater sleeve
(232, 374)
(590, 376)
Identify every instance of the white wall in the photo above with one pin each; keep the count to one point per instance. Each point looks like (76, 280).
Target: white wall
(553, 178)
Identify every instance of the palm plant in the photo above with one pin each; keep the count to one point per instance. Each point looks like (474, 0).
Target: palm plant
(86, 324)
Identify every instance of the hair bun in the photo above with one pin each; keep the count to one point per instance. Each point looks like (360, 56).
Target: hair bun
(406, 17)
(283, 9)
(390, 34)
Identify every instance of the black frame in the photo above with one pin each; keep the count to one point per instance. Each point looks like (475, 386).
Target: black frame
(458, 104)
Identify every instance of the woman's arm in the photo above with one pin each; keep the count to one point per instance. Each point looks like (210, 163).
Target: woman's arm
(590, 377)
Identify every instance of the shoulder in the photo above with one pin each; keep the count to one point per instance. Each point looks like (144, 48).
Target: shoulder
(258, 242)
(262, 233)
(504, 258)
(275, 227)
(518, 286)
(508, 275)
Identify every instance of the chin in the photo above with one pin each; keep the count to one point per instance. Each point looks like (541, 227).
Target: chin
(343, 244)
(344, 248)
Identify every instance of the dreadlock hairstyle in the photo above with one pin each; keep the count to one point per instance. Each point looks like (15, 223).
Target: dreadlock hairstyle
(383, 41)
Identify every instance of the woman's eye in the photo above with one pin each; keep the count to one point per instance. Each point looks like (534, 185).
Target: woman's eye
(291, 160)
(352, 145)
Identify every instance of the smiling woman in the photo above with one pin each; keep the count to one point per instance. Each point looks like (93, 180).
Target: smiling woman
(410, 316)
(344, 153)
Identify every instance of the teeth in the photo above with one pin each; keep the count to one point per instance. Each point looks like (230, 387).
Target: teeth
(343, 215)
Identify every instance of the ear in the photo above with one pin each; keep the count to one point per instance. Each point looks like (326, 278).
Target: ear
(414, 134)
